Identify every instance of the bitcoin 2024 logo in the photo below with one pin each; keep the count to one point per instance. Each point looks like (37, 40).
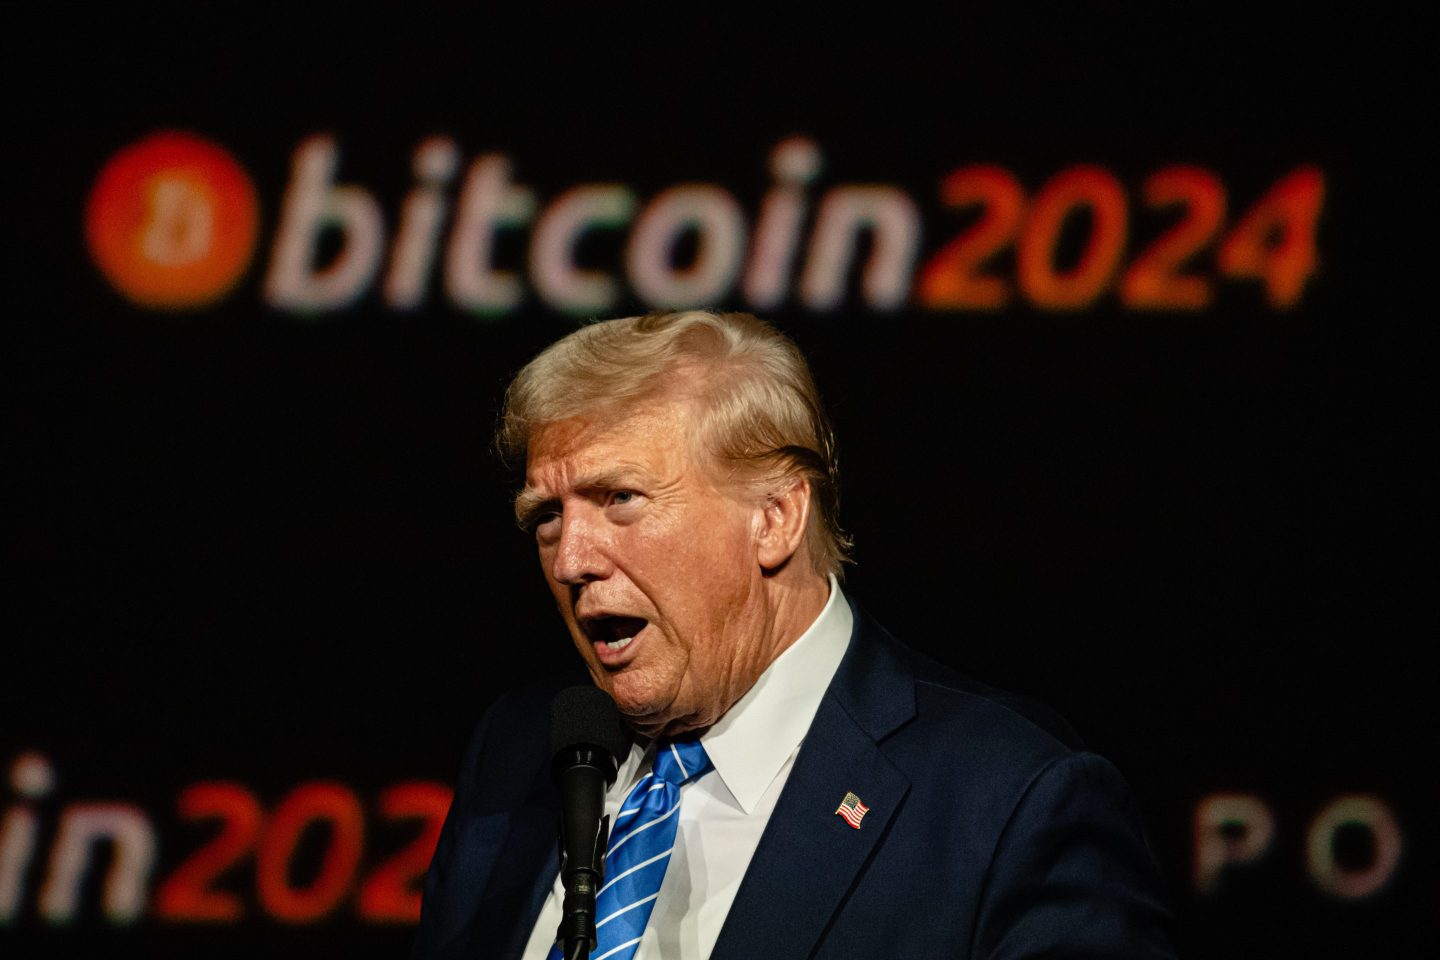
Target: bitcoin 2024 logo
(172, 221)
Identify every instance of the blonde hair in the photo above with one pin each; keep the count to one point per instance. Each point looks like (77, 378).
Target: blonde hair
(760, 410)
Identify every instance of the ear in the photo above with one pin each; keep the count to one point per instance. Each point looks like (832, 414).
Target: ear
(784, 517)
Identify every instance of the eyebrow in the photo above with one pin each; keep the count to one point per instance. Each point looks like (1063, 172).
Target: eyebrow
(529, 502)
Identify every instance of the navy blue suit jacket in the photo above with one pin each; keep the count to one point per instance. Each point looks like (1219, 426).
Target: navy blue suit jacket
(991, 834)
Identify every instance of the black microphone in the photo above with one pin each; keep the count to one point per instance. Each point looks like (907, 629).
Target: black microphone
(586, 737)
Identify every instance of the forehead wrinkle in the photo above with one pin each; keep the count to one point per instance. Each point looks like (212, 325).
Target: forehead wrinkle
(580, 454)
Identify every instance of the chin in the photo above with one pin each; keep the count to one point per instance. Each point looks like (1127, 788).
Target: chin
(645, 705)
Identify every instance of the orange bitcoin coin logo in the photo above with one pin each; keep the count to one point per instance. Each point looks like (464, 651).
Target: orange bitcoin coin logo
(172, 221)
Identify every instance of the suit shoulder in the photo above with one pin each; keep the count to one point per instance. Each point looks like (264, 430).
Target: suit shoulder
(964, 713)
(512, 734)
(526, 702)
(942, 689)
(525, 706)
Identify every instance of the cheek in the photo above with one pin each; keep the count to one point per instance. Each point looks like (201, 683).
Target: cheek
(725, 563)
(719, 544)
(696, 571)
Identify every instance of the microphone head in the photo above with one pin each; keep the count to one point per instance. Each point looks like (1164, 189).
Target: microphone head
(585, 716)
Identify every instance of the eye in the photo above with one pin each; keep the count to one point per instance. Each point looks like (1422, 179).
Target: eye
(538, 524)
(624, 501)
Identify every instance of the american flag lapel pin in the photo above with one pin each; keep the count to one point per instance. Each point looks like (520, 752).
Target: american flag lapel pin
(852, 810)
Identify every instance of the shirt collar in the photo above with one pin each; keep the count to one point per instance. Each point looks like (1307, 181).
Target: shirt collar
(751, 742)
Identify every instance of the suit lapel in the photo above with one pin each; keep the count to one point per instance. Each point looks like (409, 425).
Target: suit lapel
(809, 858)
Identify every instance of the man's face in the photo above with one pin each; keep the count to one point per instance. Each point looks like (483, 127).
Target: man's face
(652, 561)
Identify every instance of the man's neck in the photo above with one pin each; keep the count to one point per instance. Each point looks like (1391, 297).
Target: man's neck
(792, 603)
(796, 602)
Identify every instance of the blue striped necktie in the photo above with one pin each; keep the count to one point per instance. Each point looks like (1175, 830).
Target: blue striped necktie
(641, 841)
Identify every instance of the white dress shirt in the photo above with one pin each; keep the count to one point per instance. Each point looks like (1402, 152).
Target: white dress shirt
(724, 812)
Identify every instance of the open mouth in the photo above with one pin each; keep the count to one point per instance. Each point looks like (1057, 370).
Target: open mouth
(613, 634)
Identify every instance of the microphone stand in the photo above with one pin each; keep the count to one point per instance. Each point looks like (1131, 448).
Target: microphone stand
(586, 735)
(576, 935)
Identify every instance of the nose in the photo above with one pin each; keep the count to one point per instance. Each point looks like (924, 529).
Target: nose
(580, 553)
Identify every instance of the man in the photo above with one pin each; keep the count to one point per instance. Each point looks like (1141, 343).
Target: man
(801, 784)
